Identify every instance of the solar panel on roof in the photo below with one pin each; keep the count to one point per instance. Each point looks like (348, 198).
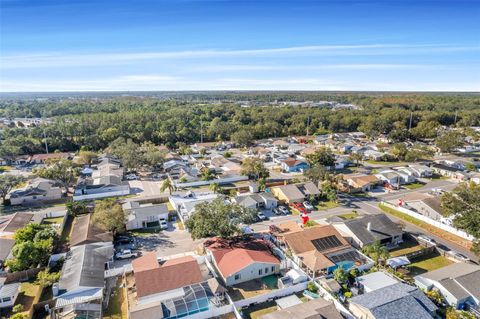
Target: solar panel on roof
(325, 243)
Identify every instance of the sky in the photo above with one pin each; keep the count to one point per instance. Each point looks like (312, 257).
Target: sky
(143, 45)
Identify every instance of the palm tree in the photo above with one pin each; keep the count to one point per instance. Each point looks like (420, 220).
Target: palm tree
(262, 184)
(356, 157)
(167, 184)
(214, 187)
(376, 251)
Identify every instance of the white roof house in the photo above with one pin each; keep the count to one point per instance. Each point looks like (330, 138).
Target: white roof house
(375, 280)
(185, 204)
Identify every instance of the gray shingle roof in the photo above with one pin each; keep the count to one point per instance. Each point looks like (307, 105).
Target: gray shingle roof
(397, 301)
(85, 267)
(5, 248)
(381, 228)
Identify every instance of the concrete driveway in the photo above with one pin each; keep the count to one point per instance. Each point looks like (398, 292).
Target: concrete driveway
(168, 242)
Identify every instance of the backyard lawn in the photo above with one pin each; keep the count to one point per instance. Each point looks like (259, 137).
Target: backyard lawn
(28, 292)
(383, 162)
(428, 263)
(255, 311)
(117, 306)
(406, 247)
(253, 287)
(52, 220)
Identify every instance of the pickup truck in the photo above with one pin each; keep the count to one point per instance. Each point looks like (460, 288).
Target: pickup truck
(126, 254)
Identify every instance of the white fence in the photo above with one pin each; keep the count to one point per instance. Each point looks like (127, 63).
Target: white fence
(212, 312)
(430, 221)
(219, 181)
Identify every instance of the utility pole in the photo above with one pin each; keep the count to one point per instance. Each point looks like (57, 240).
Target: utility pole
(456, 113)
(308, 126)
(45, 138)
(411, 118)
(201, 131)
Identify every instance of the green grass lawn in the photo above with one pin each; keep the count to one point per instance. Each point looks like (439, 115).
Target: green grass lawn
(428, 263)
(52, 220)
(414, 185)
(255, 311)
(382, 162)
(406, 247)
(429, 228)
(67, 229)
(347, 216)
(117, 306)
(325, 205)
(28, 292)
(145, 232)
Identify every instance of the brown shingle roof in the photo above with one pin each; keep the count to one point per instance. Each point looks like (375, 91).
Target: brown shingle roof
(173, 274)
(16, 221)
(301, 242)
(84, 232)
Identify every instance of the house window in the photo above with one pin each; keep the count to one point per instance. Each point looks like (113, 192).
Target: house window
(237, 276)
(266, 270)
(273, 268)
(260, 272)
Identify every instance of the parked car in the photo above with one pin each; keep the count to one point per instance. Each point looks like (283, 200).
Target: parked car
(458, 256)
(308, 206)
(277, 211)
(261, 216)
(426, 239)
(131, 177)
(163, 224)
(284, 210)
(127, 254)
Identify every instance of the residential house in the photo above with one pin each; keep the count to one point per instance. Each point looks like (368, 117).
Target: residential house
(280, 144)
(449, 171)
(42, 158)
(319, 249)
(81, 288)
(361, 183)
(8, 293)
(375, 280)
(86, 232)
(36, 192)
(185, 204)
(144, 215)
(370, 228)
(106, 181)
(171, 288)
(421, 170)
(316, 308)
(390, 177)
(242, 259)
(257, 201)
(6, 245)
(373, 155)
(294, 193)
(10, 223)
(458, 283)
(293, 165)
(398, 301)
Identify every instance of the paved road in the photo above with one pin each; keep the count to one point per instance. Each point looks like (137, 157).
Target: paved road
(369, 205)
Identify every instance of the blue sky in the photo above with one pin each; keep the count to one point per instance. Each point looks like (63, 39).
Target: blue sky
(97, 45)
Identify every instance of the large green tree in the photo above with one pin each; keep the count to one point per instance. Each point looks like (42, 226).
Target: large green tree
(463, 203)
(33, 245)
(253, 168)
(322, 156)
(217, 218)
(60, 170)
(109, 215)
(7, 183)
(450, 141)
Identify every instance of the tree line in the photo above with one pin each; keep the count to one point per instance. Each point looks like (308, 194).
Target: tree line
(93, 124)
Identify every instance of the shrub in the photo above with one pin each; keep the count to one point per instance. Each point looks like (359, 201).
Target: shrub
(312, 287)
(348, 294)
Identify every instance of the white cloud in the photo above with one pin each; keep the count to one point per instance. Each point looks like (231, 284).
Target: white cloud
(44, 60)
